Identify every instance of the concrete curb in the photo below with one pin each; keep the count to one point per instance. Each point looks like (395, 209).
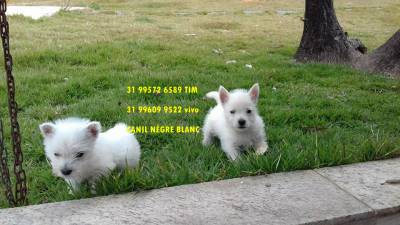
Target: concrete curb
(349, 195)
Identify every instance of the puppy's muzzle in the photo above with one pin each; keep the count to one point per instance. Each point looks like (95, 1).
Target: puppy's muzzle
(66, 171)
(242, 123)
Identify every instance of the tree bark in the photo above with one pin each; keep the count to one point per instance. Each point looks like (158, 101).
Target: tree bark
(385, 59)
(325, 41)
(323, 38)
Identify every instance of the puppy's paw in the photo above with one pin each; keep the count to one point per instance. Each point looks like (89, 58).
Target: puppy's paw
(93, 188)
(232, 155)
(206, 141)
(262, 149)
(72, 187)
(72, 191)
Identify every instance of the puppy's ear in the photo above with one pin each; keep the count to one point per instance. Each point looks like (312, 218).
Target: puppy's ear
(93, 129)
(254, 92)
(223, 94)
(47, 129)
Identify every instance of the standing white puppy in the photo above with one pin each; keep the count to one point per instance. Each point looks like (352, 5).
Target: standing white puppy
(78, 151)
(235, 121)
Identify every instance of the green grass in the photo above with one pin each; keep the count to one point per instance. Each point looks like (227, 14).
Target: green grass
(78, 65)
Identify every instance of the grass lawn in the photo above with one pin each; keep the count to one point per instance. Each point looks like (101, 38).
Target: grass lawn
(80, 64)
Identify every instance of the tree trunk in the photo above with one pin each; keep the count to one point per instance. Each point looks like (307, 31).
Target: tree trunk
(323, 38)
(325, 41)
(385, 59)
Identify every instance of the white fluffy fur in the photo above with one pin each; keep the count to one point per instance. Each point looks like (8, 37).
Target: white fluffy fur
(102, 152)
(222, 121)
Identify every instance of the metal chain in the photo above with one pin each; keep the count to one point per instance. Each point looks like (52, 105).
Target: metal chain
(5, 173)
(20, 184)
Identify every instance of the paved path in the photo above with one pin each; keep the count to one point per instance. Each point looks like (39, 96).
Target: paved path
(351, 194)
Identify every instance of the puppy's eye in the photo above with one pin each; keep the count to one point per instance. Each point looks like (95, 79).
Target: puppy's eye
(249, 111)
(57, 154)
(79, 154)
(232, 111)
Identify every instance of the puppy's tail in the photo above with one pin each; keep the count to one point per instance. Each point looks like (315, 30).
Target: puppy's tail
(213, 95)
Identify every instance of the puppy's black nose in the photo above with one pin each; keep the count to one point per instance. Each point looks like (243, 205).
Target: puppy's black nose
(66, 171)
(242, 122)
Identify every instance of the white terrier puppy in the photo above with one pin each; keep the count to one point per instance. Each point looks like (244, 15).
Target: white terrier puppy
(235, 121)
(78, 151)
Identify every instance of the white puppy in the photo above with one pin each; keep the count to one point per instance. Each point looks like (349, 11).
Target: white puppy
(78, 151)
(235, 121)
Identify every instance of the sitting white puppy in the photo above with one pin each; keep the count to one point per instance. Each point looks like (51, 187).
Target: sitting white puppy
(78, 151)
(235, 121)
